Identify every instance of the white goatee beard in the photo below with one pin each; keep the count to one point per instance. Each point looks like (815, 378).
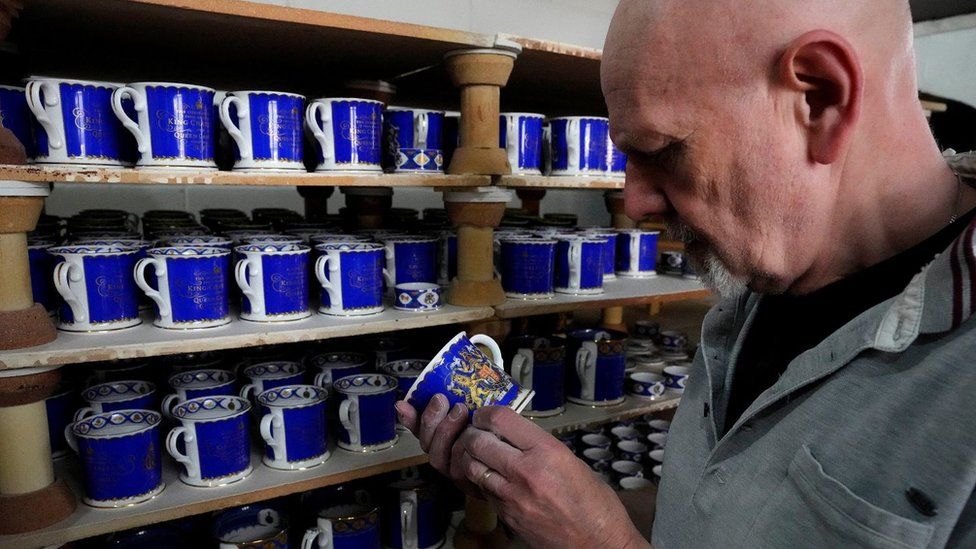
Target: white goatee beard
(713, 272)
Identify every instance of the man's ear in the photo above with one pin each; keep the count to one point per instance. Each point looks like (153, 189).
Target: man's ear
(825, 72)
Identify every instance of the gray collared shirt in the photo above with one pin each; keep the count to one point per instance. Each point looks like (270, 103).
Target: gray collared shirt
(867, 440)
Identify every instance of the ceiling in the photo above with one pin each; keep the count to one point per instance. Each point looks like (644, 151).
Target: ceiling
(925, 10)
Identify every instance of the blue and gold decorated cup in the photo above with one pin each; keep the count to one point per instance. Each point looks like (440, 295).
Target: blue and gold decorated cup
(345, 526)
(464, 374)
(190, 288)
(596, 365)
(609, 251)
(539, 363)
(406, 371)
(117, 395)
(266, 127)
(676, 377)
(251, 527)
(213, 443)
(414, 515)
(527, 267)
(120, 457)
(97, 287)
(351, 275)
(579, 264)
(268, 375)
(274, 281)
(332, 366)
(294, 426)
(637, 253)
(410, 259)
(348, 132)
(367, 416)
(418, 297)
(195, 384)
(520, 134)
(418, 136)
(646, 385)
(579, 145)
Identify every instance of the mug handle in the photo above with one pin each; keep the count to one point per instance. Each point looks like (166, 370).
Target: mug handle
(247, 391)
(522, 365)
(243, 144)
(319, 379)
(346, 409)
(408, 522)
(573, 143)
(142, 142)
(575, 265)
(585, 358)
(240, 275)
(635, 243)
(422, 127)
(159, 267)
(171, 448)
(512, 141)
(320, 267)
(496, 352)
(321, 112)
(62, 275)
(308, 540)
(55, 139)
(270, 424)
(169, 402)
(69, 437)
(389, 271)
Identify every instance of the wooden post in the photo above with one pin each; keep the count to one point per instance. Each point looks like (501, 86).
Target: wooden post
(31, 497)
(23, 323)
(613, 317)
(480, 73)
(367, 207)
(531, 199)
(475, 213)
(316, 201)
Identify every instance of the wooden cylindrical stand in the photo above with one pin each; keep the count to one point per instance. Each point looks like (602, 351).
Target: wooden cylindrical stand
(367, 207)
(316, 201)
(531, 199)
(31, 497)
(480, 73)
(613, 317)
(23, 323)
(476, 213)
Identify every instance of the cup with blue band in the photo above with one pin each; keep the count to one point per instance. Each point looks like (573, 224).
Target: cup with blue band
(266, 127)
(413, 515)
(120, 456)
(538, 363)
(42, 275)
(676, 377)
(609, 251)
(527, 267)
(351, 275)
(646, 385)
(579, 265)
(97, 287)
(251, 527)
(520, 134)
(75, 124)
(616, 161)
(213, 443)
(117, 395)
(345, 526)
(418, 297)
(418, 135)
(274, 281)
(595, 364)
(637, 253)
(190, 286)
(406, 371)
(192, 384)
(331, 366)
(367, 415)
(410, 259)
(268, 375)
(579, 145)
(294, 426)
(16, 117)
(173, 123)
(348, 133)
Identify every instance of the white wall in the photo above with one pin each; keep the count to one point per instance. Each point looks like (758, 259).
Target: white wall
(946, 53)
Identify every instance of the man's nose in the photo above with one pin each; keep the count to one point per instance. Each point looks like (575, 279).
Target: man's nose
(643, 194)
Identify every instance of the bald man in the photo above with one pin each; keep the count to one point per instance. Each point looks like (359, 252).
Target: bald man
(832, 402)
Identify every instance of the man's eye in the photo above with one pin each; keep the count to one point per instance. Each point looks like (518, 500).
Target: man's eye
(666, 157)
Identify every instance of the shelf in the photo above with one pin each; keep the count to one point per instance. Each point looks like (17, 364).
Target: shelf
(147, 340)
(43, 174)
(561, 182)
(178, 500)
(621, 292)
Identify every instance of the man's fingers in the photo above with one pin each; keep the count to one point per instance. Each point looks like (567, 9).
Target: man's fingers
(509, 426)
(407, 415)
(445, 435)
(432, 417)
(495, 453)
(491, 482)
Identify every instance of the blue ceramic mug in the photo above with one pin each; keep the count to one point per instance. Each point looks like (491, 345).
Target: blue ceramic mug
(349, 134)
(596, 363)
(631, 450)
(352, 276)
(418, 136)
(637, 253)
(329, 367)
(609, 251)
(268, 375)
(367, 416)
(42, 275)
(294, 426)
(599, 459)
(406, 371)
(527, 267)
(173, 124)
(60, 408)
(75, 123)
(120, 457)
(676, 377)
(673, 341)
(464, 374)
(414, 516)
(521, 136)
(97, 286)
(579, 145)
(410, 259)
(15, 116)
(213, 443)
(616, 161)
(646, 385)
(266, 127)
(190, 287)
(191, 384)
(579, 265)
(418, 297)
(251, 527)
(345, 526)
(386, 349)
(538, 364)
(201, 241)
(117, 395)
(274, 281)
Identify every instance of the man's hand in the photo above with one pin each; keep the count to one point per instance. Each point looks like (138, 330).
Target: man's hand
(437, 429)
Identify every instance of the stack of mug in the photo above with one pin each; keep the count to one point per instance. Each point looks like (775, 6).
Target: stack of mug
(626, 454)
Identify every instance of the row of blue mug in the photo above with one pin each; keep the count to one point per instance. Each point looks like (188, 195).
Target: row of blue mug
(401, 510)
(626, 454)
(190, 281)
(81, 122)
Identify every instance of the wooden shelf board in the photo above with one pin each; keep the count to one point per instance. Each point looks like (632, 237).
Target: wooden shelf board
(41, 173)
(147, 340)
(618, 293)
(179, 500)
(561, 182)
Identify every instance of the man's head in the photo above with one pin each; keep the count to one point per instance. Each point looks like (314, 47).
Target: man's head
(748, 123)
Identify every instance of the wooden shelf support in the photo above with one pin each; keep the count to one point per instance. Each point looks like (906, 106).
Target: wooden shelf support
(531, 199)
(476, 214)
(367, 207)
(316, 201)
